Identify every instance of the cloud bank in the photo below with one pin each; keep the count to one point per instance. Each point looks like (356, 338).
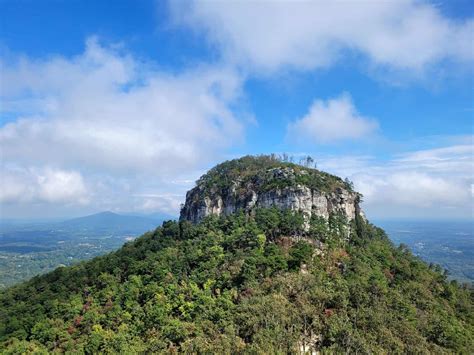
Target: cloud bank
(434, 183)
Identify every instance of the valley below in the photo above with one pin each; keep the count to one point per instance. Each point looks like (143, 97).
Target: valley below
(449, 244)
(30, 249)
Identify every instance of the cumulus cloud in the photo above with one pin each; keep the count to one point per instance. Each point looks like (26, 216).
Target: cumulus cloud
(433, 183)
(107, 114)
(412, 188)
(101, 109)
(332, 120)
(42, 185)
(267, 35)
(169, 203)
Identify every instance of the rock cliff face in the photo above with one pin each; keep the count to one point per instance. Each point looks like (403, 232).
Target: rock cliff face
(229, 189)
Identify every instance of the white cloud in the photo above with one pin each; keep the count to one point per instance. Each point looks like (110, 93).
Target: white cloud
(165, 203)
(412, 188)
(42, 185)
(267, 35)
(432, 183)
(330, 121)
(59, 185)
(100, 109)
(115, 119)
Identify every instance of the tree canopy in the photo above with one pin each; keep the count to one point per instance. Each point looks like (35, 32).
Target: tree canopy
(242, 284)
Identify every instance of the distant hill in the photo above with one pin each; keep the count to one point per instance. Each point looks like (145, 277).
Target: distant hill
(109, 222)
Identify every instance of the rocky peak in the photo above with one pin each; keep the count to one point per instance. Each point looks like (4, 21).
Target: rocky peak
(262, 182)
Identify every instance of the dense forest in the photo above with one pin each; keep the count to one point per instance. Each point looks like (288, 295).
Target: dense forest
(244, 284)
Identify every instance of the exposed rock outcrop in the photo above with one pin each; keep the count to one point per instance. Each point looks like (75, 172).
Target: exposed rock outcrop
(286, 187)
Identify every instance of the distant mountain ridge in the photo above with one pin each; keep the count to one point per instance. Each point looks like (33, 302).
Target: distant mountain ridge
(110, 221)
(101, 222)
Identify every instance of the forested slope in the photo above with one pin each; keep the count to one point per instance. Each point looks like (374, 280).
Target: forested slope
(241, 284)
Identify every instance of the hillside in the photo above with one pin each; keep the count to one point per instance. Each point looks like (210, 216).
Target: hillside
(269, 279)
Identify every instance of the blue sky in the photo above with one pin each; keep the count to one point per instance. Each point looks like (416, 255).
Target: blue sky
(122, 105)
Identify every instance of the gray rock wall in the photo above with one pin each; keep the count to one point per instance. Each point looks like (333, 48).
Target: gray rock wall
(298, 198)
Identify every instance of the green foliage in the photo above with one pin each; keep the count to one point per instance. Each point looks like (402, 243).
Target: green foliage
(274, 222)
(268, 219)
(300, 253)
(258, 170)
(237, 285)
(319, 228)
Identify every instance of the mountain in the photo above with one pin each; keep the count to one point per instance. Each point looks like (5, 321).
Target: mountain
(238, 276)
(109, 222)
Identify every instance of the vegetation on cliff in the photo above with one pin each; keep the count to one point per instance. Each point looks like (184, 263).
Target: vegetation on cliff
(241, 284)
(260, 171)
